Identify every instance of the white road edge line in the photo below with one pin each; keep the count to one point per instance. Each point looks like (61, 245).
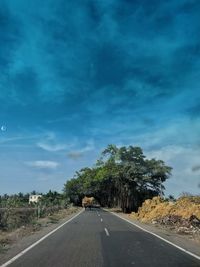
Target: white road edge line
(167, 241)
(106, 230)
(37, 242)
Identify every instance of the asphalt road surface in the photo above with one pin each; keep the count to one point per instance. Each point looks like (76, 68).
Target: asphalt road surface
(97, 238)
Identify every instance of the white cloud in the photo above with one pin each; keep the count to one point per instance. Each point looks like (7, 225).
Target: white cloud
(51, 143)
(43, 164)
(52, 147)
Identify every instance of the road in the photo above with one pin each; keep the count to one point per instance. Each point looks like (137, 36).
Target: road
(97, 238)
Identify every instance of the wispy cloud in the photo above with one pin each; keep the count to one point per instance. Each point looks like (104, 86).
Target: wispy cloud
(52, 147)
(43, 164)
(51, 143)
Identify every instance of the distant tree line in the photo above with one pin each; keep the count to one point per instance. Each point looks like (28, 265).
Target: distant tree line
(122, 177)
(51, 198)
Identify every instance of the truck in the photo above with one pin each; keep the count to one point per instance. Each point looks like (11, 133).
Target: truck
(90, 202)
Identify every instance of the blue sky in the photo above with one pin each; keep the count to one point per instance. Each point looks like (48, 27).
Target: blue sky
(78, 75)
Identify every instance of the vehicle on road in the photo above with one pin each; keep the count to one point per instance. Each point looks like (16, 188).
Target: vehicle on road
(89, 203)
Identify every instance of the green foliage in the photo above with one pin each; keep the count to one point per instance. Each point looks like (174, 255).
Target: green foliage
(122, 177)
(52, 198)
(15, 201)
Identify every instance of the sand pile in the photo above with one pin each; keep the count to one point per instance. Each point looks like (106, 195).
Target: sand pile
(183, 214)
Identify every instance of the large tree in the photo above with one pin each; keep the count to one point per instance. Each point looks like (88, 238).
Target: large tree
(122, 177)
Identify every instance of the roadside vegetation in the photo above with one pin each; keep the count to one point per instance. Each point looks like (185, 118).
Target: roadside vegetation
(15, 210)
(122, 177)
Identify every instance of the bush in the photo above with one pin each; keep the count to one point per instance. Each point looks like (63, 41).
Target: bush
(16, 217)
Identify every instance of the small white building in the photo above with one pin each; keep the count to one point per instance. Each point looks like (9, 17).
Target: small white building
(34, 198)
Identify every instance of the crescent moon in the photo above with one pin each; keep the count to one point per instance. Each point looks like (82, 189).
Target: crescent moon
(3, 128)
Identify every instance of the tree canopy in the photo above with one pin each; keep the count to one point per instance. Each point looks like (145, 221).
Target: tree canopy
(122, 177)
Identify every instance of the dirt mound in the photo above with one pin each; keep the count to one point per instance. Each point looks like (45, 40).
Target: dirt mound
(182, 214)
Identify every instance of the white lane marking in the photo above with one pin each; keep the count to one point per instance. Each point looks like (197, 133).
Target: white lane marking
(106, 230)
(167, 241)
(37, 242)
(101, 220)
